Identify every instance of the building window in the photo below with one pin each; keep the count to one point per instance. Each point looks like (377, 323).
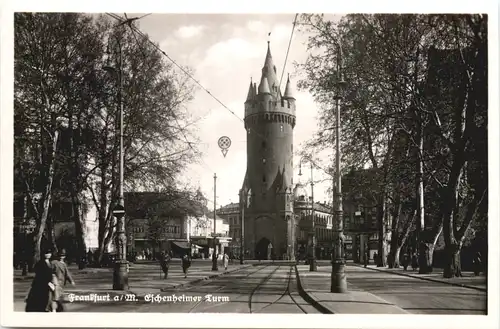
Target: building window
(281, 128)
(264, 160)
(264, 178)
(264, 144)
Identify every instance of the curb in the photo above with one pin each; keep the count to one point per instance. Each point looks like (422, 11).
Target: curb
(425, 279)
(317, 305)
(208, 277)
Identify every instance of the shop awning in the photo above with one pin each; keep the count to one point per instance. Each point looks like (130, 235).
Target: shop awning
(181, 244)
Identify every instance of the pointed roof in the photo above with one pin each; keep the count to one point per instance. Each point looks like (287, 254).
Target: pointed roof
(285, 180)
(250, 92)
(269, 69)
(288, 89)
(264, 86)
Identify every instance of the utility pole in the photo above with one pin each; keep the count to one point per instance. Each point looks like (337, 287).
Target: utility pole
(214, 257)
(338, 279)
(120, 273)
(312, 263)
(242, 230)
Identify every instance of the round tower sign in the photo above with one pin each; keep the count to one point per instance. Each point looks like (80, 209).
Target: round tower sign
(224, 144)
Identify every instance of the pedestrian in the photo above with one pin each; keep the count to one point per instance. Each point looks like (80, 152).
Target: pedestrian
(477, 263)
(375, 258)
(367, 257)
(226, 261)
(186, 263)
(414, 262)
(406, 261)
(42, 292)
(165, 264)
(62, 276)
(90, 257)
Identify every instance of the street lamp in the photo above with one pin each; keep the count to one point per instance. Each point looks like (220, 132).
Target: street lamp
(120, 273)
(243, 203)
(338, 278)
(214, 255)
(312, 261)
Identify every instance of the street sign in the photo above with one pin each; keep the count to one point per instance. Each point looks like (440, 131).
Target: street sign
(224, 144)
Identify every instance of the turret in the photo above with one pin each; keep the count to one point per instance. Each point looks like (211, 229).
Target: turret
(264, 86)
(251, 94)
(288, 90)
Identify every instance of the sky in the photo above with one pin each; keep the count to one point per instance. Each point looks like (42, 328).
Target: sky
(225, 51)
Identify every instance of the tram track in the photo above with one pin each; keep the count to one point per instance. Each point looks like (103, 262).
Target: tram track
(222, 287)
(286, 292)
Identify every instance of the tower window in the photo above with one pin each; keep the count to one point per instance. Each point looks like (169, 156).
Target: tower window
(264, 178)
(281, 128)
(248, 130)
(264, 160)
(263, 144)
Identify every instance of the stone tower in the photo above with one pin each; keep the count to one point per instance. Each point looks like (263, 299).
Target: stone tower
(267, 187)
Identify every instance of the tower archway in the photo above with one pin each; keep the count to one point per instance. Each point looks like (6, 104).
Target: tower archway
(263, 249)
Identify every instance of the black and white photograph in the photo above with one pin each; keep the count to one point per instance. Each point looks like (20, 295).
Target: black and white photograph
(265, 165)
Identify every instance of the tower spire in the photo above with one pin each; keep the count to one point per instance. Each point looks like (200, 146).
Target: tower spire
(269, 70)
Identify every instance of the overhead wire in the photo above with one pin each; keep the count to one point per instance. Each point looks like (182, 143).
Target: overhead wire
(129, 21)
(134, 28)
(288, 49)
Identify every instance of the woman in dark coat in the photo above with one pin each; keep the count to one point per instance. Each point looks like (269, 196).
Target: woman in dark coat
(41, 295)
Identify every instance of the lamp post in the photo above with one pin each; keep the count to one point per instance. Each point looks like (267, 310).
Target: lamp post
(243, 198)
(214, 255)
(338, 278)
(120, 273)
(312, 260)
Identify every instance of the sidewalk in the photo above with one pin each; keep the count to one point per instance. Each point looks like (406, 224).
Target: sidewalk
(468, 280)
(143, 279)
(314, 287)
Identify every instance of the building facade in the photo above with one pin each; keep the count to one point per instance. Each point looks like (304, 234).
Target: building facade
(161, 222)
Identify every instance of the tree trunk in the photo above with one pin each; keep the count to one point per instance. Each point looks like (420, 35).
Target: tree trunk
(51, 232)
(429, 249)
(393, 259)
(381, 254)
(46, 200)
(79, 221)
(449, 205)
(396, 257)
(423, 266)
(453, 265)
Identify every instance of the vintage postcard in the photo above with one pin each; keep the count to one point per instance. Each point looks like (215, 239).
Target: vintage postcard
(321, 168)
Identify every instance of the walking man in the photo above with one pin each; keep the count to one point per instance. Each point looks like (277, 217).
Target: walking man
(165, 264)
(63, 276)
(186, 263)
